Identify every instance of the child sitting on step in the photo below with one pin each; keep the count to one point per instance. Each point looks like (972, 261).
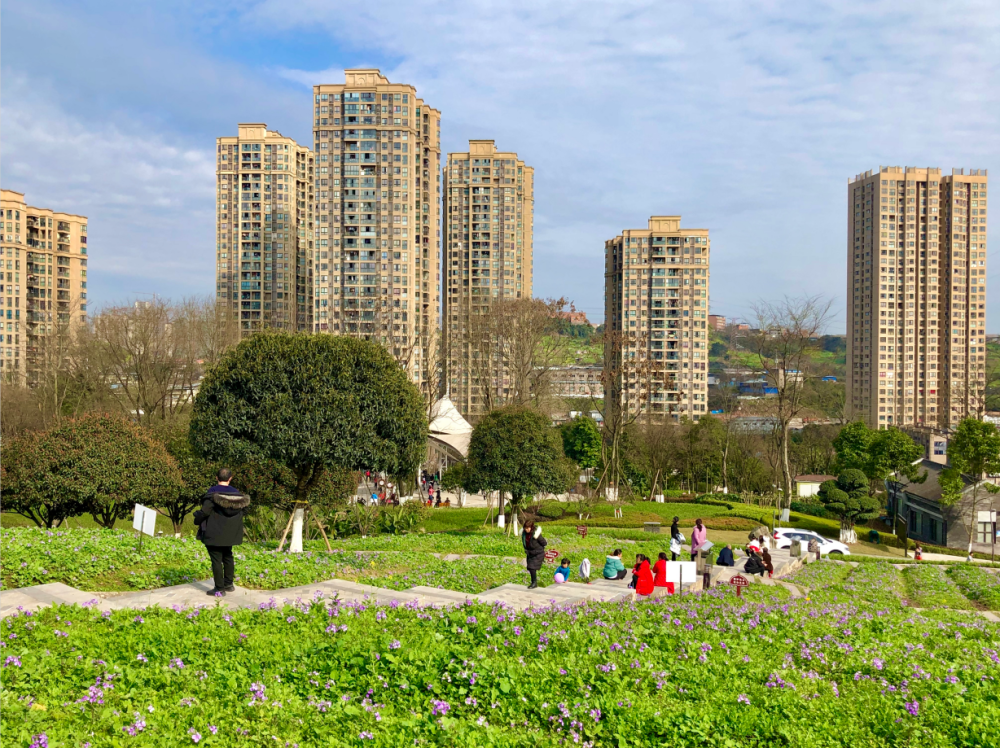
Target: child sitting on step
(563, 572)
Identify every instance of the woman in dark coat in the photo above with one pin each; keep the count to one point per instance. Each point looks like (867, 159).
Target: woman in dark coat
(766, 558)
(754, 565)
(534, 550)
(675, 537)
(220, 527)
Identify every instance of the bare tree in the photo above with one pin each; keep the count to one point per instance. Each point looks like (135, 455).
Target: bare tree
(783, 341)
(634, 387)
(511, 346)
(152, 354)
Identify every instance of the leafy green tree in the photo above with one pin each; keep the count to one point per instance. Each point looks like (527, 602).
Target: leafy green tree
(516, 451)
(850, 498)
(881, 454)
(852, 445)
(974, 451)
(310, 403)
(98, 464)
(582, 442)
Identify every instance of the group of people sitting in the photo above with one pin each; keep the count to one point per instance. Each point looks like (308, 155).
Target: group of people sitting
(648, 579)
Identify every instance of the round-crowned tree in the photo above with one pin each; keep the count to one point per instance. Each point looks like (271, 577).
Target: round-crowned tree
(517, 451)
(849, 498)
(310, 403)
(99, 463)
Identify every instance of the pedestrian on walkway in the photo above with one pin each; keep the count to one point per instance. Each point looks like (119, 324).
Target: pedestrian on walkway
(562, 573)
(754, 565)
(534, 550)
(766, 558)
(726, 557)
(613, 566)
(676, 538)
(698, 537)
(220, 527)
(643, 577)
(660, 583)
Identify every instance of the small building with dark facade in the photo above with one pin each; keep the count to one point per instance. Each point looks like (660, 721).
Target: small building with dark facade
(918, 505)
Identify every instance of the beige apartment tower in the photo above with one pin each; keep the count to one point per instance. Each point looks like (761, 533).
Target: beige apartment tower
(916, 296)
(655, 317)
(264, 249)
(378, 197)
(43, 295)
(489, 201)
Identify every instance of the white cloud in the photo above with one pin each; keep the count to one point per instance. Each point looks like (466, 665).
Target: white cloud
(746, 118)
(149, 199)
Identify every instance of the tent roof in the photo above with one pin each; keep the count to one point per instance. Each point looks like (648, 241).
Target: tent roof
(449, 427)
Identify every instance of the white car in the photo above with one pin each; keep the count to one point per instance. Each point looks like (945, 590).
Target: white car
(783, 537)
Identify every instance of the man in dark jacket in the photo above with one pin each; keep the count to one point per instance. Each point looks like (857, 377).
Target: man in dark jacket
(220, 527)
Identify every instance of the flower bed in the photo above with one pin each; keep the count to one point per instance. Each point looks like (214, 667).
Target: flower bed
(102, 560)
(705, 670)
(931, 587)
(977, 584)
(819, 574)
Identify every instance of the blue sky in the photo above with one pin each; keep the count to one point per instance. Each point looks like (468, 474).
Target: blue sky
(746, 118)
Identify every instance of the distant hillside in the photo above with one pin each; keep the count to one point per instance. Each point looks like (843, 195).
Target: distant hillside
(724, 353)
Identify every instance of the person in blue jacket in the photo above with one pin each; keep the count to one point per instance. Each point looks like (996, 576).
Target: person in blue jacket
(613, 566)
(563, 572)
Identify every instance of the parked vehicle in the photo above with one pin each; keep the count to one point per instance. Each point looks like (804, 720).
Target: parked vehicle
(783, 537)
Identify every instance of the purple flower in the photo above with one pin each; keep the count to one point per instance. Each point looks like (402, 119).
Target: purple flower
(177, 663)
(41, 740)
(743, 699)
(913, 707)
(12, 660)
(195, 735)
(257, 692)
(440, 708)
(365, 735)
(141, 657)
(394, 644)
(213, 729)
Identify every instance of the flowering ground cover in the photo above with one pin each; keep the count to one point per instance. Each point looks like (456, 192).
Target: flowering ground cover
(816, 575)
(977, 584)
(102, 560)
(931, 587)
(703, 670)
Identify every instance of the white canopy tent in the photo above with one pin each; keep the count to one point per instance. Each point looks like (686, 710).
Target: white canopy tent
(449, 428)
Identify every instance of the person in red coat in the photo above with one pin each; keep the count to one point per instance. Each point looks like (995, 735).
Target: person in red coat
(644, 581)
(662, 586)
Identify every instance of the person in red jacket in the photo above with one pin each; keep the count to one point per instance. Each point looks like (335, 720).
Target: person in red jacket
(662, 586)
(644, 581)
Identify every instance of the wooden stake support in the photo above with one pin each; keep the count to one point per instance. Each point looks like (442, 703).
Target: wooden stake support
(281, 543)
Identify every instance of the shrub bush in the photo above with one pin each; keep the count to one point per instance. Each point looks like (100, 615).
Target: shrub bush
(549, 510)
(811, 508)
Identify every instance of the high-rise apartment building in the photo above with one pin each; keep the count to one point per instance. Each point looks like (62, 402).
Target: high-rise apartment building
(264, 249)
(489, 199)
(655, 319)
(378, 196)
(916, 296)
(43, 282)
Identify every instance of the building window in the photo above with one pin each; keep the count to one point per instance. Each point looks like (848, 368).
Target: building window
(984, 532)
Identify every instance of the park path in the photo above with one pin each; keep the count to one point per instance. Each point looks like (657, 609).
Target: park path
(516, 596)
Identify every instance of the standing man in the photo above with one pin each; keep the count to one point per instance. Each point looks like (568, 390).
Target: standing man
(220, 527)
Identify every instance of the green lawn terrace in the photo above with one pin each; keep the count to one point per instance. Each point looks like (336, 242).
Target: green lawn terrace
(847, 664)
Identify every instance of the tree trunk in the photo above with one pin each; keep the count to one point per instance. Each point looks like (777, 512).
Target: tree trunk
(298, 520)
(847, 533)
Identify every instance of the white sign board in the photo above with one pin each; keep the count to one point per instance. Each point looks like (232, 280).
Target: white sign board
(987, 516)
(144, 520)
(681, 572)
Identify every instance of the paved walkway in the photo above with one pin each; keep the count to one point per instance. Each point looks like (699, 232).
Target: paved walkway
(513, 595)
